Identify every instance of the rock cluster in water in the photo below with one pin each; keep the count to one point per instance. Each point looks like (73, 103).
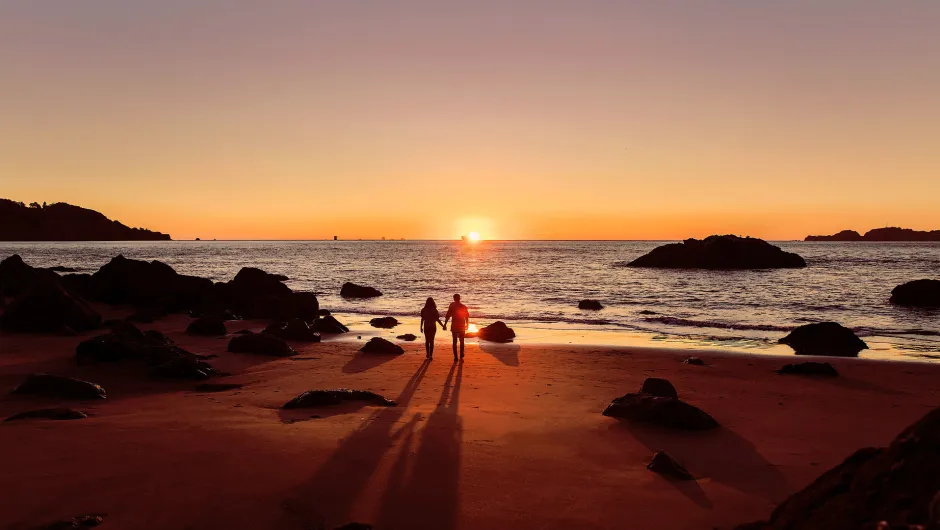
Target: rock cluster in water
(881, 234)
(918, 293)
(720, 252)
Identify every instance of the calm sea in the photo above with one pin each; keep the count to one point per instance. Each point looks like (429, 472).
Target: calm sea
(535, 286)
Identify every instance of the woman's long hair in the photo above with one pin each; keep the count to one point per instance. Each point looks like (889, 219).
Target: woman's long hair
(430, 304)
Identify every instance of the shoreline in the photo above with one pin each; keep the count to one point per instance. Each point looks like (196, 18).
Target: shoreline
(559, 334)
(510, 438)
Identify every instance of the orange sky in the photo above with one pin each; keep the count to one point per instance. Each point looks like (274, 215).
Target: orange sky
(422, 119)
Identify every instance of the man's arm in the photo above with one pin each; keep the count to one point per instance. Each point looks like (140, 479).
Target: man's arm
(447, 316)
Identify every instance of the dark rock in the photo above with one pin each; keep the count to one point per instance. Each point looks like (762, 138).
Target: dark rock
(321, 398)
(351, 290)
(60, 387)
(384, 322)
(48, 307)
(49, 414)
(380, 345)
(497, 332)
(260, 344)
(695, 361)
(659, 387)
(217, 387)
(662, 411)
(323, 312)
(259, 283)
(918, 293)
(592, 305)
(824, 338)
(647, 312)
(295, 329)
(720, 252)
(211, 326)
(244, 332)
(16, 277)
(150, 284)
(355, 526)
(809, 368)
(896, 484)
(328, 324)
(664, 464)
(151, 348)
(407, 337)
(254, 293)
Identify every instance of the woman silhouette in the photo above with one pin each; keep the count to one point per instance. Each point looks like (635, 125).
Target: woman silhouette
(429, 320)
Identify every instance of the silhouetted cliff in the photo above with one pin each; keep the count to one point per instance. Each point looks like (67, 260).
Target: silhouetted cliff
(881, 234)
(64, 222)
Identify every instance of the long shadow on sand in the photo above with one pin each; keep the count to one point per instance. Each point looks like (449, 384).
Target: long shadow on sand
(327, 497)
(507, 354)
(428, 496)
(720, 455)
(362, 362)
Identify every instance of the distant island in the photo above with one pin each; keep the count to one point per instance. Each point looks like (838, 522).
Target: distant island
(881, 234)
(64, 222)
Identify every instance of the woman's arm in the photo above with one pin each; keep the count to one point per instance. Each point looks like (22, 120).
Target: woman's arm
(422, 325)
(441, 323)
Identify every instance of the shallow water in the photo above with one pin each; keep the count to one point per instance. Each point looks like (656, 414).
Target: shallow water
(536, 286)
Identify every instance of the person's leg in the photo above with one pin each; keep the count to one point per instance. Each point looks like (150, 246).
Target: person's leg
(461, 345)
(454, 335)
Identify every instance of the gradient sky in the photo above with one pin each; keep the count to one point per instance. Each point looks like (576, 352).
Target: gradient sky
(519, 119)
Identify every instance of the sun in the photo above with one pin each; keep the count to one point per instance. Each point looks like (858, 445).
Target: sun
(473, 236)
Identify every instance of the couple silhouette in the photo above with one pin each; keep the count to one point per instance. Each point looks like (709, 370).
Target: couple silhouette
(430, 318)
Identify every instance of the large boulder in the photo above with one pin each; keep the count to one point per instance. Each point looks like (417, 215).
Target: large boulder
(59, 386)
(497, 332)
(328, 324)
(918, 293)
(48, 307)
(146, 283)
(260, 344)
(16, 277)
(382, 346)
(151, 349)
(662, 411)
(254, 293)
(321, 398)
(896, 485)
(656, 386)
(590, 305)
(208, 326)
(384, 322)
(824, 338)
(351, 290)
(293, 329)
(720, 252)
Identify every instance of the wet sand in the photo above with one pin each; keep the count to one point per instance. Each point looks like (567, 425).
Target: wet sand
(513, 437)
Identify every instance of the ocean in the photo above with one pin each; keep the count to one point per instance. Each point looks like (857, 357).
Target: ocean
(535, 287)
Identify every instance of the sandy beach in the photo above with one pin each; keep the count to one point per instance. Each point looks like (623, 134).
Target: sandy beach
(513, 437)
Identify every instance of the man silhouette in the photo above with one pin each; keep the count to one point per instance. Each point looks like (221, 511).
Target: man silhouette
(461, 317)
